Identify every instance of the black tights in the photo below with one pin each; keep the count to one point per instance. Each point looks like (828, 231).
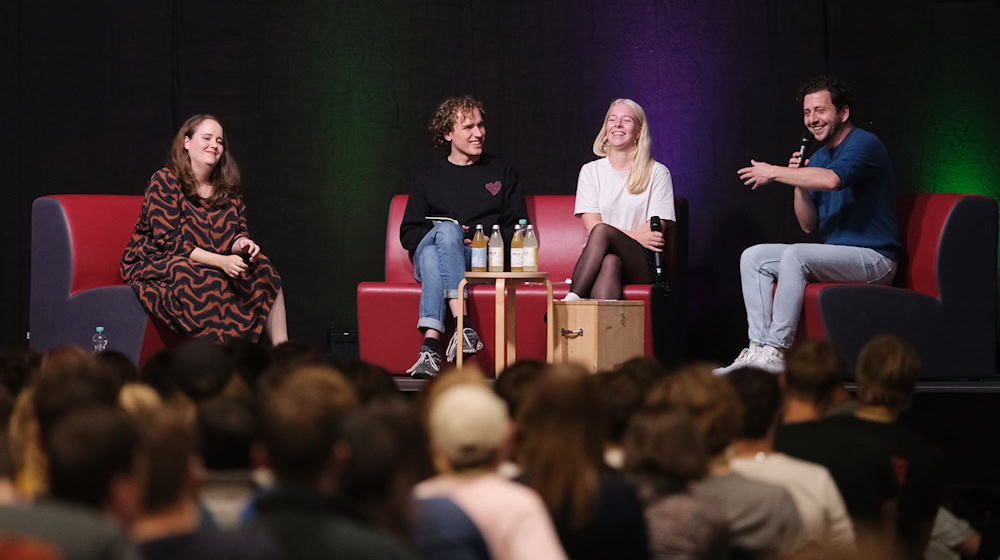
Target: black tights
(610, 260)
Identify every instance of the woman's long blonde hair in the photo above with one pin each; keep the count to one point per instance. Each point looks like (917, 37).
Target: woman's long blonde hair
(642, 161)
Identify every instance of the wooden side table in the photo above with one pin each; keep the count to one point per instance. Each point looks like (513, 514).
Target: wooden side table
(506, 312)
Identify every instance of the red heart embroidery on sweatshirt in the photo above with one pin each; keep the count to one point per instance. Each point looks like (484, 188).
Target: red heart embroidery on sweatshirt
(493, 187)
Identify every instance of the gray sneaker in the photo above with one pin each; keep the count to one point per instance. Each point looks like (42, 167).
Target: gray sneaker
(428, 364)
(470, 344)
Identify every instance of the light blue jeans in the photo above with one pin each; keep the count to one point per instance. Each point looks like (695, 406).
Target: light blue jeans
(439, 263)
(773, 315)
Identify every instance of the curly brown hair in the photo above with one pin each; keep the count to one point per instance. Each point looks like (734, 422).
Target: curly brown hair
(447, 114)
(225, 177)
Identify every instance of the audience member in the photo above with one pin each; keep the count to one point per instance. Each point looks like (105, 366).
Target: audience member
(389, 455)
(664, 455)
(169, 524)
(860, 467)
(886, 374)
(94, 488)
(761, 517)
(820, 506)
(202, 370)
(469, 426)
(597, 515)
(251, 358)
(139, 400)
(369, 380)
(120, 365)
(226, 431)
(623, 392)
(70, 379)
(516, 380)
(30, 471)
(158, 373)
(16, 365)
(302, 417)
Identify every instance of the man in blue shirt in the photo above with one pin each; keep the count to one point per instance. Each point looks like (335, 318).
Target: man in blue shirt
(846, 192)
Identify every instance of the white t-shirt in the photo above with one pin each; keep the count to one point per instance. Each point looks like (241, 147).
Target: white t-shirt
(820, 505)
(601, 189)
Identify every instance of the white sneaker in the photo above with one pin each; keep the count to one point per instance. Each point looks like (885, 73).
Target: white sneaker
(770, 359)
(747, 358)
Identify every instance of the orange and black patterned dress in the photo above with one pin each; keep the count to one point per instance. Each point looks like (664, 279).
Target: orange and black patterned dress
(193, 298)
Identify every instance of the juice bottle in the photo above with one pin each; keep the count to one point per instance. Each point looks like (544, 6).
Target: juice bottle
(529, 253)
(479, 242)
(496, 250)
(516, 243)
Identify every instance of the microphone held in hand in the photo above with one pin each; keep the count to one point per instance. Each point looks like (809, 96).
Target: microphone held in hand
(658, 276)
(803, 144)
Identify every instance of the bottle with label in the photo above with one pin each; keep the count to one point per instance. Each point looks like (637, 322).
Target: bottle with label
(479, 242)
(529, 253)
(100, 340)
(516, 242)
(496, 250)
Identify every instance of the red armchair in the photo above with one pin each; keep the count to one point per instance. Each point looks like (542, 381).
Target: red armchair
(944, 298)
(76, 246)
(387, 311)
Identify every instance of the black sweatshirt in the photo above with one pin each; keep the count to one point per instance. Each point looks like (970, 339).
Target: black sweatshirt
(486, 192)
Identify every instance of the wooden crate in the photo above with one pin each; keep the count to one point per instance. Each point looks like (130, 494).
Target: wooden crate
(598, 334)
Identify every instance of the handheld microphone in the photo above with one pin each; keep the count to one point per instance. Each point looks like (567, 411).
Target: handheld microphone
(803, 142)
(655, 225)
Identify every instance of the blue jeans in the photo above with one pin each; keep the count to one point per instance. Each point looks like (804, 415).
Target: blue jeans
(439, 263)
(773, 315)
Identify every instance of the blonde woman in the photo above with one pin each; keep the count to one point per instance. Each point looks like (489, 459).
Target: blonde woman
(616, 196)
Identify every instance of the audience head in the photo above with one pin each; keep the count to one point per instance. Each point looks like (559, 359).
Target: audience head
(301, 416)
(158, 373)
(202, 370)
(710, 401)
(168, 445)
(139, 400)
(664, 448)
(468, 426)
(450, 113)
(69, 380)
(887, 372)
(369, 380)
(623, 391)
(250, 358)
(389, 454)
(226, 431)
(814, 371)
(225, 174)
(16, 365)
(516, 380)
(560, 448)
(119, 364)
(91, 458)
(760, 395)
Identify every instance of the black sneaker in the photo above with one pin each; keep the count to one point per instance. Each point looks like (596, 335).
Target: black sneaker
(428, 364)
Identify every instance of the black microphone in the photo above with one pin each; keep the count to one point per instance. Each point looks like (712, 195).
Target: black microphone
(655, 225)
(803, 142)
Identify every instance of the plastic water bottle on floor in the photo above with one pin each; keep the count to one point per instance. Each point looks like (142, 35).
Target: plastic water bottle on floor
(100, 340)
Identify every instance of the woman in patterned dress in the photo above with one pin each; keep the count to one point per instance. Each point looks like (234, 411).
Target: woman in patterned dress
(191, 260)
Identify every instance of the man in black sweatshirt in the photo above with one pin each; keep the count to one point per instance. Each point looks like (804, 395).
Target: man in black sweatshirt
(470, 187)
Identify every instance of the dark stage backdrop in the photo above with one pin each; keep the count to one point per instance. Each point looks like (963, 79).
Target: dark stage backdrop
(325, 106)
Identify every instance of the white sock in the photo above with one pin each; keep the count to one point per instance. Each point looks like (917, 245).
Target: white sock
(571, 297)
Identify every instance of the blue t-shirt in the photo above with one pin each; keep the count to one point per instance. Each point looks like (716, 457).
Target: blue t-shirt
(862, 212)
